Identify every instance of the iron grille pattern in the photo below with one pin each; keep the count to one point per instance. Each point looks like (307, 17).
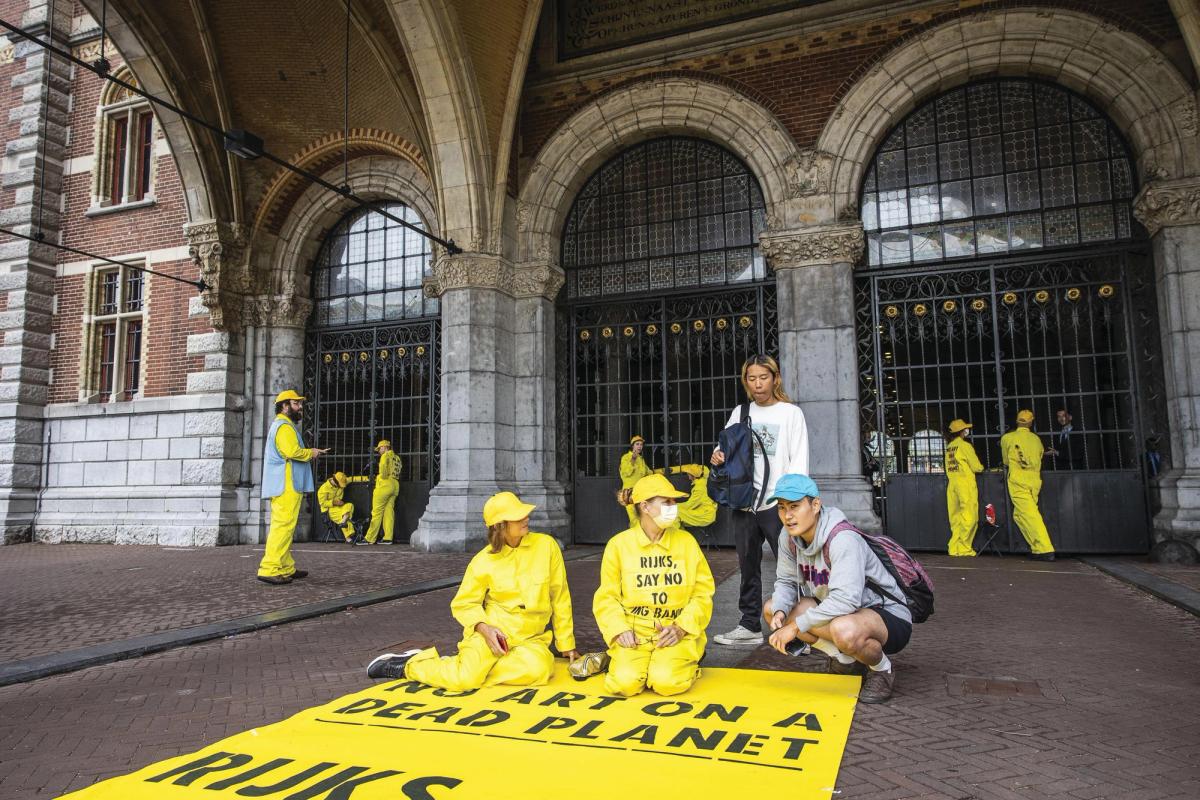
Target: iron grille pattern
(668, 369)
(667, 214)
(996, 167)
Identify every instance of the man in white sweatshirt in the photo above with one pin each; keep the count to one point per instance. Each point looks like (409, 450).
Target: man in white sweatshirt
(833, 592)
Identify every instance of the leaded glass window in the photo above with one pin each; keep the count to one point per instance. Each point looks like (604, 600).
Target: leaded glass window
(667, 214)
(371, 269)
(996, 167)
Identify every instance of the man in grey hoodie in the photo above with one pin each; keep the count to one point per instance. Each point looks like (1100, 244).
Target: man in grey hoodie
(847, 606)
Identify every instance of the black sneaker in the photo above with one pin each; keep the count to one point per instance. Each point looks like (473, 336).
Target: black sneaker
(389, 665)
(1042, 556)
(275, 580)
(300, 573)
(877, 686)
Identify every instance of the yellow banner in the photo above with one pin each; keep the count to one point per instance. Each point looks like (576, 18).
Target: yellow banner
(772, 734)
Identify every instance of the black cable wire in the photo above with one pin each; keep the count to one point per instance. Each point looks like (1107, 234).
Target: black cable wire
(227, 136)
(200, 284)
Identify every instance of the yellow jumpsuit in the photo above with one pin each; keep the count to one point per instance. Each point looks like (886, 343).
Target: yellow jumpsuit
(643, 583)
(328, 494)
(631, 473)
(285, 509)
(1022, 453)
(698, 510)
(962, 496)
(518, 590)
(383, 498)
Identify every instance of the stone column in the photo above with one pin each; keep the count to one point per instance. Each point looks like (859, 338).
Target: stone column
(497, 397)
(1170, 211)
(27, 270)
(814, 274)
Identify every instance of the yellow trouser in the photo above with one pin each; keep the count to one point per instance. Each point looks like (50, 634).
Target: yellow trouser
(631, 510)
(962, 505)
(1023, 488)
(383, 509)
(665, 670)
(343, 517)
(528, 663)
(285, 510)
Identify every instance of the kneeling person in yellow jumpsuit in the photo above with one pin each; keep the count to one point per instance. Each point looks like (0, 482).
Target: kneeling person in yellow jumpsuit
(512, 590)
(1022, 452)
(383, 498)
(633, 469)
(698, 510)
(330, 497)
(962, 490)
(655, 598)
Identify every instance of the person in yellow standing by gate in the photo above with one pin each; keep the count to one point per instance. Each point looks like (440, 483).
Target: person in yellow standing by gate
(512, 590)
(962, 490)
(633, 469)
(286, 477)
(383, 498)
(655, 598)
(1022, 452)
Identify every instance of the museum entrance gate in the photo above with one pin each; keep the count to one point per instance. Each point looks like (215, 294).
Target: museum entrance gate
(981, 343)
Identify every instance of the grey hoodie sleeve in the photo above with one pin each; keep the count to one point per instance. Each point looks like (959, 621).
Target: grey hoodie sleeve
(787, 577)
(847, 580)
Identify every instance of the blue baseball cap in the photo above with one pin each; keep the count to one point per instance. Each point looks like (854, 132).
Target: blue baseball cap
(795, 487)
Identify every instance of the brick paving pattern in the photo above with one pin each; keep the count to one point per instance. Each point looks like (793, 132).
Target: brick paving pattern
(1031, 681)
(1185, 574)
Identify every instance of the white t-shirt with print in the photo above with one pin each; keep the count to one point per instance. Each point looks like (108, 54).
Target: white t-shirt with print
(784, 434)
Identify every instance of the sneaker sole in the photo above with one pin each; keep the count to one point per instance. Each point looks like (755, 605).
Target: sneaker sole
(737, 642)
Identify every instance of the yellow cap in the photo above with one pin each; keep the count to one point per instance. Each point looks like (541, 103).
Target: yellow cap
(1024, 415)
(383, 443)
(654, 486)
(637, 438)
(340, 479)
(505, 507)
(959, 425)
(287, 394)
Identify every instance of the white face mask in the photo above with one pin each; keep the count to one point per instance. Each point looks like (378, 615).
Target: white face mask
(666, 516)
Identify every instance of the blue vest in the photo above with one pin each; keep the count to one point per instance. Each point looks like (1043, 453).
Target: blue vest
(274, 473)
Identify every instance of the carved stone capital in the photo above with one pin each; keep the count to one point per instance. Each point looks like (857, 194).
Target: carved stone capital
(1161, 204)
(287, 310)
(836, 244)
(219, 250)
(469, 271)
(538, 279)
(809, 172)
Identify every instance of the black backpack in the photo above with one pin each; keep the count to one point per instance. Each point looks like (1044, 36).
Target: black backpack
(732, 484)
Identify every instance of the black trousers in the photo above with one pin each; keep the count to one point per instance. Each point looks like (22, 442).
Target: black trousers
(750, 528)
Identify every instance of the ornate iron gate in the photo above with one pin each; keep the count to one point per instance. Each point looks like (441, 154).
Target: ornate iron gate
(375, 383)
(980, 342)
(665, 368)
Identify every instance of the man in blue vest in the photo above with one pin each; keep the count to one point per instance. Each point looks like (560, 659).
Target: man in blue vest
(287, 475)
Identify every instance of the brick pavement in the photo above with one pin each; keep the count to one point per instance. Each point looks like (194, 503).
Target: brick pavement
(1185, 574)
(1111, 671)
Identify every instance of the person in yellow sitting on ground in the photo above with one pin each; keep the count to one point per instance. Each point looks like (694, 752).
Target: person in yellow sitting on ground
(698, 510)
(962, 489)
(286, 477)
(1022, 452)
(655, 598)
(383, 498)
(330, 497)
(512, 590)
(633, 469)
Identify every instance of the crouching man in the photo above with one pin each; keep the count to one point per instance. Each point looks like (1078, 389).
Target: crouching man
(833, 592)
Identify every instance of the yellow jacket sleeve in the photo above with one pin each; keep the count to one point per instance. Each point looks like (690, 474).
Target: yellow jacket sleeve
(968, 455)
(289, 444)
(467, 605)
(325, 496)
(696, 614)
(606, 604)
(1005, 448)
(560, 603)
(627, 472)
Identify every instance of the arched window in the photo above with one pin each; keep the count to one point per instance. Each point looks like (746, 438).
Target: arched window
(996, 167)
(667, 214)
(124, 167)
(371, 269)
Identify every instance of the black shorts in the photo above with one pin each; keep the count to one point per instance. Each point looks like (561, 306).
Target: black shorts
(899, 631)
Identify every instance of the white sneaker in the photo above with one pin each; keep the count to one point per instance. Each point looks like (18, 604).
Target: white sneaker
(739, 637)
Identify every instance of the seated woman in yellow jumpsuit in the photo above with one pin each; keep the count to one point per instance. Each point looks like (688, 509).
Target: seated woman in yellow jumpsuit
(512, 590)
(962, 490)
(330, 497)
(655, 598)
(383, 498)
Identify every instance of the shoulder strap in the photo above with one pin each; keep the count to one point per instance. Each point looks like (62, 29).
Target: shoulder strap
(745, 415)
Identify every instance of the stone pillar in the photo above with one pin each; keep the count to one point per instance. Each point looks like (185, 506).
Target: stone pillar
(1170, 211)
(497, 397)
(27, 270)
(818, 356)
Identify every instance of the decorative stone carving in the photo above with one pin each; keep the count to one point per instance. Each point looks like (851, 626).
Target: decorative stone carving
(806, 247)
(483, 271)
(538, 280)
(219, 250)
(809, 172)
(1161, 204)
(1186, 115)
(524, 216)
